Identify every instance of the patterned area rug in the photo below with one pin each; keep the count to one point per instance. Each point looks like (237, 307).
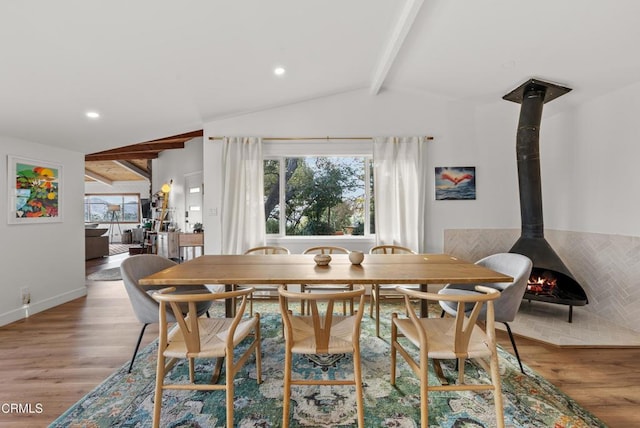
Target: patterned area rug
(125, 400)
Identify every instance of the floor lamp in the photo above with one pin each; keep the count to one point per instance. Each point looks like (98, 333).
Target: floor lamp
(113, 210)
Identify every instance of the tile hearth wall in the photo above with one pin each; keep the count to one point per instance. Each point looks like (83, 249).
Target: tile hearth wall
(607, 266)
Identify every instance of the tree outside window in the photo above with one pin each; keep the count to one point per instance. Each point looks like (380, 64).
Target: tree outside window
(320, 195)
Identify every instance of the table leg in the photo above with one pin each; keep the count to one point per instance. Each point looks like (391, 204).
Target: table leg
(424, 304)
(217, 370)
(229, 304)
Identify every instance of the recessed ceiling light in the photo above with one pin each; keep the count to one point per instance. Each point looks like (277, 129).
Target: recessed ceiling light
(279, 71)
(93, 114)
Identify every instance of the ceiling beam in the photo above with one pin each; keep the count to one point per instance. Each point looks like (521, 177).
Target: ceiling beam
(121, 156)
(404, 24)
(186, 136)
(143, 147)
(140, 149)
(134, 168)
(97, 177)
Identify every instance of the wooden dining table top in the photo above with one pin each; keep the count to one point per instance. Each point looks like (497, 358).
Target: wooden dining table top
(301, 269)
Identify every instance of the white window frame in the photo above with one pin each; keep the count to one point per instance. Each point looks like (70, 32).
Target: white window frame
(279, 150)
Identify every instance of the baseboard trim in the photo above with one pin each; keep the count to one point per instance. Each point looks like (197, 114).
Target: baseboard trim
(35, 307)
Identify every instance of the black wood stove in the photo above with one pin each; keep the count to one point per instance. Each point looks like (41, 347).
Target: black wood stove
(551, 281)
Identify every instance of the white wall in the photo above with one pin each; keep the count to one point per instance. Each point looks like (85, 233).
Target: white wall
(588, 158)
(601, 163)
(138, 186)
(358, 113)
(588, 155)
(47, 258)
(174, 165)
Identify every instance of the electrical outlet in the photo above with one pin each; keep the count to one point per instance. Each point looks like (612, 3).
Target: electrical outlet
(25, 295)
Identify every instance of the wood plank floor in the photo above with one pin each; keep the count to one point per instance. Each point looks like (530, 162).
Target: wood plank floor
(54, 358)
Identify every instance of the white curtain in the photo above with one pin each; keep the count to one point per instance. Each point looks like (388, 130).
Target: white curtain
(399, 176)
(243, 221)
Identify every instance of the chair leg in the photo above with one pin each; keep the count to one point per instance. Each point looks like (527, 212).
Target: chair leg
(357, 375)
(372, 300)
(230, 374)
(286, 400)
(515, 348)
(192, 370)
(157, 398)
(135, 351)
(424, 388)
(394, 338)
(258, 341)
(497, 391)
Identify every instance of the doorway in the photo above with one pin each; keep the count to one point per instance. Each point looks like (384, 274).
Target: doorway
(193, 191)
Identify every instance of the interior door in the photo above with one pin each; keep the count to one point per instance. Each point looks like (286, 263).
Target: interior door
(193, 186)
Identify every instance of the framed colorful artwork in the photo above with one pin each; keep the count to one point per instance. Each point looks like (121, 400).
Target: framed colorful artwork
(455, 183)
(35, 191)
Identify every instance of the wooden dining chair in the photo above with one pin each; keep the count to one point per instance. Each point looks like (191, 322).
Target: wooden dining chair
(198, 337)
(511, 293)
(263, 288)
(456, 338)
(321, 332)
(377, 289)
(190, 242)
(327, 249)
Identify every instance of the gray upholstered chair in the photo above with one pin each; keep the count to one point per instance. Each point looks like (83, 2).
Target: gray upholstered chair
(511, 293)
(144, 306)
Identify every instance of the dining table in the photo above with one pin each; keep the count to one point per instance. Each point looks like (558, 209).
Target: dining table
(288, 269)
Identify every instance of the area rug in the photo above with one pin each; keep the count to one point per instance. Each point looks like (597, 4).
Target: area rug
(118, 249)
(110, 274)
(125, 400)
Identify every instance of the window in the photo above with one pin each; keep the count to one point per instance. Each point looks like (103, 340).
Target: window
(321, 195)
(112, 208)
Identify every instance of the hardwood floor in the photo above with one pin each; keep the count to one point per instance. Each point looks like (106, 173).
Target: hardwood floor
(52, 359)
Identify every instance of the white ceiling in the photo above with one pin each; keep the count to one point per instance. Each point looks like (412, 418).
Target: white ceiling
(155, 68)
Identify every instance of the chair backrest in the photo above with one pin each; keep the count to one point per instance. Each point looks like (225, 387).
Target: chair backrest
(268, 249)
(511, 293)
(326, 249)
(187, 320)
(322, 319)
(516, 266)
(391, 249)
(481, 302)
(193, 241)
(139, 266)
(133, 269)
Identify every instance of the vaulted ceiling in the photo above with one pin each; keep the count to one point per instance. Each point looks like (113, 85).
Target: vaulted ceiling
(158, 68)
(132, 162)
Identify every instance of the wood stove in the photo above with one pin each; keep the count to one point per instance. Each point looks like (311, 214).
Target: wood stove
(551, 281)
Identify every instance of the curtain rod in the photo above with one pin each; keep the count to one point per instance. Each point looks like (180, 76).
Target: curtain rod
(311, 138)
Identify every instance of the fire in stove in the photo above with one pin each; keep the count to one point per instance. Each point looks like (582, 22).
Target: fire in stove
(544, 283)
